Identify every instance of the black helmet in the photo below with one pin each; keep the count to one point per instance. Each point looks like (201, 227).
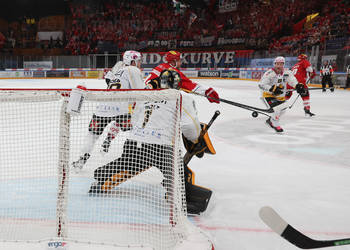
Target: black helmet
(169, 78)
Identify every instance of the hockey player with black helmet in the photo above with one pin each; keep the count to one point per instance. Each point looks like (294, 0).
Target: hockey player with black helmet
(173, 61)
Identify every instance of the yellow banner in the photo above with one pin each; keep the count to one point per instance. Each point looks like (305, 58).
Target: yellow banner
(93, 74)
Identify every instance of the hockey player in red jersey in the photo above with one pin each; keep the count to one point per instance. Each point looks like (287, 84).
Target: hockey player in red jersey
(303, 71)
(173, 59)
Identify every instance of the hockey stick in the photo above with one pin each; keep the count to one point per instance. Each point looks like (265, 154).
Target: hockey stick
(294, 102)
(272, 219)
(188, 156)
(237, 104)
(308, 89)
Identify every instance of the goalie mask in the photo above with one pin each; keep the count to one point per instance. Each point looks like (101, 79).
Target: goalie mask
(169, 79)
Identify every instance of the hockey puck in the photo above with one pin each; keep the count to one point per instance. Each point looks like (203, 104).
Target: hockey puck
(255, 114)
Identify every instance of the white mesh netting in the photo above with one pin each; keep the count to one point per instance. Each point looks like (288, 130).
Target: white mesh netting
(112, 174)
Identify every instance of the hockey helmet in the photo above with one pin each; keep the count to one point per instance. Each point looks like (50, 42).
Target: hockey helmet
(302, 57)
(169, 78)
(279, 59)
(131, 55)
(172, 56)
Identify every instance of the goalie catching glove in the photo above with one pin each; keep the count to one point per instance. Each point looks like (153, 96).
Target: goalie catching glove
(276, 90)
(203, 145)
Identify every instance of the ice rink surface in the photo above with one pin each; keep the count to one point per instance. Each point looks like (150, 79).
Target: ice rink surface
(304, 173)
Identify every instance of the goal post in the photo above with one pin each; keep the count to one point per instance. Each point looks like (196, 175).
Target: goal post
(139, 201)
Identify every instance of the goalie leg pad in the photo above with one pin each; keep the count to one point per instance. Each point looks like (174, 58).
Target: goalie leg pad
(197, 198)
(189, 175)
(116, 179)
(122, 169)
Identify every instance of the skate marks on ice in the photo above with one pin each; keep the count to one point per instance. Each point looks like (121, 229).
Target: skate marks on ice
(322, 138)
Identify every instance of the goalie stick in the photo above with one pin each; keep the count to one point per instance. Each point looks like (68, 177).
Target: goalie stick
(188, 156)
(272, 219)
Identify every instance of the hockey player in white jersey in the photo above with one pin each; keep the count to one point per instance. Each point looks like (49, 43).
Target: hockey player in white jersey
(127, 76)
(274, 86)
(150, 134)
(111, 75)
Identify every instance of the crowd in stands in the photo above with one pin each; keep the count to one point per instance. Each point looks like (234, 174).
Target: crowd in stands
(98, 26)
(333, 22)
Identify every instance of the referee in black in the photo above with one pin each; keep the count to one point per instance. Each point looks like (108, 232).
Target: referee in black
(326, 73)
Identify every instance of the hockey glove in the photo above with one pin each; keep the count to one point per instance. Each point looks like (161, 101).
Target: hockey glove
(312, 75)
(212, 93)
(301, 89)
(276, 90)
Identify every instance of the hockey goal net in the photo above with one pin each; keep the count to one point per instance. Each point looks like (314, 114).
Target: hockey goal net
(42, 198)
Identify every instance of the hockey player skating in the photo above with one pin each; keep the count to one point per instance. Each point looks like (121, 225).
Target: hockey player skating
(326, 73)
(173, 59)
(303, 71)
(127, 76)
(136, 156)
(274, 86)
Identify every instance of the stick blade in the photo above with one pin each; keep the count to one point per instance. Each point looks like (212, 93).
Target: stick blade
(272, 219)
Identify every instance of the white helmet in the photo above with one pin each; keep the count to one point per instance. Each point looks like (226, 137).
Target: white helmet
(131, 55)
(279, 59)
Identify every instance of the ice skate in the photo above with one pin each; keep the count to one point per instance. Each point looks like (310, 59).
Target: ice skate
(308, 113)
(78, 165)
(278, 129)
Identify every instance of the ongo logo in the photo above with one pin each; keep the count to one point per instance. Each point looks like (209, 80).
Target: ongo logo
(56, 245)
